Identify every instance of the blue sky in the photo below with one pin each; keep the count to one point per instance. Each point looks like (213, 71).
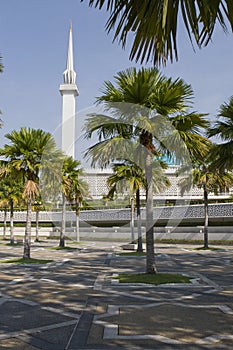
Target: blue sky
(33, 43)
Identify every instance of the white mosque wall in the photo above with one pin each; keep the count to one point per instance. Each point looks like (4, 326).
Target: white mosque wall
(97, 181)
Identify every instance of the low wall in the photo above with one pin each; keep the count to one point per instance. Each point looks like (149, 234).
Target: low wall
(124, 233)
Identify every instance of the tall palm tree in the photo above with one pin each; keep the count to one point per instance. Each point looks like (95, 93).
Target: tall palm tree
(150, 109)
(25, 154)
(154, 24)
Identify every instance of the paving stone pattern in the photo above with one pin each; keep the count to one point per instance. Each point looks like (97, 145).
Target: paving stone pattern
(73, 302)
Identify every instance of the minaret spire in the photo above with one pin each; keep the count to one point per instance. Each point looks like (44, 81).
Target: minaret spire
(69, 91)
(69, 74)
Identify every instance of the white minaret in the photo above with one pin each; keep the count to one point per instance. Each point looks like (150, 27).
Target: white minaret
(69, 91)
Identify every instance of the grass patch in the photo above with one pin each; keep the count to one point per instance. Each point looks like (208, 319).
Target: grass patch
(22, 261)
(76, 242)
(63, 248)
(156, 279)
(133, 254)
(15, 244)
(209, 248)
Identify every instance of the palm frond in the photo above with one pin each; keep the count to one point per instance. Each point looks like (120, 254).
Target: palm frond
(154, 24)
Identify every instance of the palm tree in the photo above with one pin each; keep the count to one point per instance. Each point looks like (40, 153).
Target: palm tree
(37, 206)
(154, 24)
(73, 190)
(1, 70)
(223, 130)
(11, 189)
(4, 205)
(124, 175)
(209, 179)
(152, 110)
(1, 65)
(130, 173)
(25, 154)
(81, 191)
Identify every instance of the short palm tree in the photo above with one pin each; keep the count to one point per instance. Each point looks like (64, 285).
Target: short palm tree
(37, 207)
(11, 190)
(11, 194)
(1, 65)
(223, 130)
(4, 205)
(150, 109)
(79, 191)
(154, 24)
(130, 176)
(24, 153)
(209, 179)
(73, 190)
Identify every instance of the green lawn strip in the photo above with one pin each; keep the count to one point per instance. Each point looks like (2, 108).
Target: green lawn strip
(21, 261)
(185, 241)
(158, 278)
(133, 254)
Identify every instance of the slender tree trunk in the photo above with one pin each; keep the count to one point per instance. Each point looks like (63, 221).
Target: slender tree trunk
(206, 243)
(12, 239)
(63, 222)
(132, 219)
(37, 225)
(77, 221)
(27, 236)
(150, 254)
(139, 222)
(5, 224)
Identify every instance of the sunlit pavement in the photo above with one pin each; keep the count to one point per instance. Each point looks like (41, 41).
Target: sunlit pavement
(73, 302)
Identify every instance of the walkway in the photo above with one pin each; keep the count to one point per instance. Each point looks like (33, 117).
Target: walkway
(73, 303)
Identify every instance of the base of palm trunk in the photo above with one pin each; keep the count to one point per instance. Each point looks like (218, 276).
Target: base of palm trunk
(62, 242)
(152, 270)
(26, 253)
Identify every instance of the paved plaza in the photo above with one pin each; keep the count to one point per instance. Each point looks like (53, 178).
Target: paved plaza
(73, 302)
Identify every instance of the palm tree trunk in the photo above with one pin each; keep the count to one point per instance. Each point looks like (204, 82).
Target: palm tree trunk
(206, 243)
(12, 240)
(63, 222)
(27, 236)
(132, 219)
(37, 225)
(139, 222)
(77, 221)
(150, 255)
(5, 224)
